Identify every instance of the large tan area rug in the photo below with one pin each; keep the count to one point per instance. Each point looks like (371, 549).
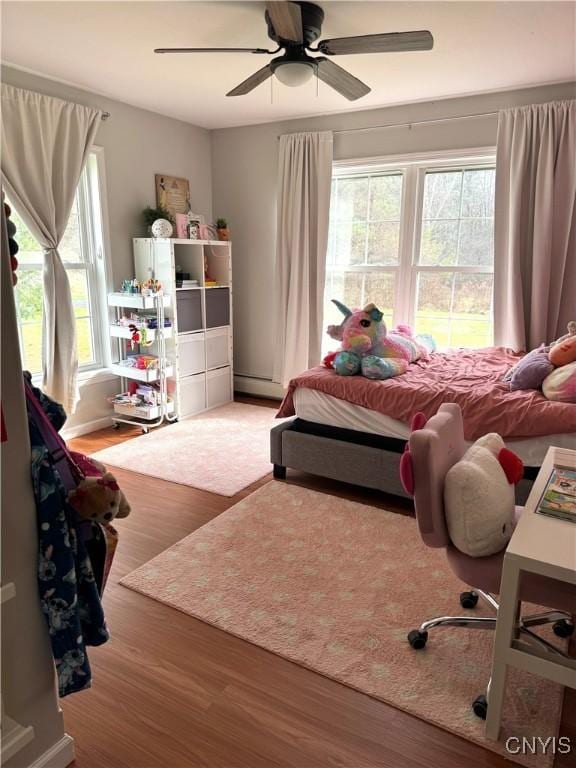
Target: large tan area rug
(335, 586)
(222, 451)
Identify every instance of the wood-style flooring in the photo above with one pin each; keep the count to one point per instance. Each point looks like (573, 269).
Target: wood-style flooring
(172, 692)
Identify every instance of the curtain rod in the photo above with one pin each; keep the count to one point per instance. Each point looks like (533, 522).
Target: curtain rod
(416, 122)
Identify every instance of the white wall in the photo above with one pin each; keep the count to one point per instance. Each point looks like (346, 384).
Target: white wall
(244, 164)
(28, 681)
(137, 144)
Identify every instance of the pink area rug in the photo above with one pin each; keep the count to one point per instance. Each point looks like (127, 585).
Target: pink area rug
(222, 451)
(335, 586)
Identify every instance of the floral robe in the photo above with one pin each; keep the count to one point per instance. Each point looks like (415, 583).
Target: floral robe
(69, 594)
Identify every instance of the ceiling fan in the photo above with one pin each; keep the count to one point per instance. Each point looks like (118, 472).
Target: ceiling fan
(294, 26)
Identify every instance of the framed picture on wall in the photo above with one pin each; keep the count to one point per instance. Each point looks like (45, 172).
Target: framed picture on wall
(172, 193)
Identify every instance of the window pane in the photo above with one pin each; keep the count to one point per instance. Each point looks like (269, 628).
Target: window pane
(455, 308)
(350, 243)
(439, 243)
(385, 198)
(478, 193)
(84, 343)
(383, 242)
(379, 288)
(472, 311)
(80, 300)
(476, 246)
(30, 252)
(29, 294)
(351, 199)
(32, 347)
(433, 302)
(70, 248)
(442, 192)
(79, 290)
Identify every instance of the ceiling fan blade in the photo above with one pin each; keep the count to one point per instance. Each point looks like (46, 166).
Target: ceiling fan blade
(212, 50)
(392, 42)
(251, 82)
(341, 80)
(286, 18)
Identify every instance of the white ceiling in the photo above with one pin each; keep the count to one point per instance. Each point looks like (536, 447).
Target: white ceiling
(107, 47)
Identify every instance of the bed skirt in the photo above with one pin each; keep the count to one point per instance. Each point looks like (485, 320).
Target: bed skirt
(359, 458)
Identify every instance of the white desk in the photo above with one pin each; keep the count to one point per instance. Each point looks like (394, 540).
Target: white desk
(542, 545)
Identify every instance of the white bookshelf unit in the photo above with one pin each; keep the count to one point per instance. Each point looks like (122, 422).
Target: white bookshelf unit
(199, 347)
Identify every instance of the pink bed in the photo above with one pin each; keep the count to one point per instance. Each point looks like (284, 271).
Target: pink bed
(473, 379)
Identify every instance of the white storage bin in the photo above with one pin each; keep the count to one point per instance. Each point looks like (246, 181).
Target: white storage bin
(192, 394)
(147, 412)
(218, 387)
(191, 354)
(217, 348)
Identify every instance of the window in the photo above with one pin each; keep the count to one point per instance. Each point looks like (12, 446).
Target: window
(81, 252)
(417, 240)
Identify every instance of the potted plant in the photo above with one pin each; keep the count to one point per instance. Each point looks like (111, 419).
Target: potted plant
(222, 229)
(150, 215)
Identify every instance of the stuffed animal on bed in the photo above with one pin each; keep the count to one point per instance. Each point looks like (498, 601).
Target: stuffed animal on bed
(550, 368)
(367, 347)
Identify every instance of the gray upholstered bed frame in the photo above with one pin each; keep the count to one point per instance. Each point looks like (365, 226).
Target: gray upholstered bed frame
(353, 457)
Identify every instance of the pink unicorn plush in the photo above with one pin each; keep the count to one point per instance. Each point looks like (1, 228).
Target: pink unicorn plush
(368, 349)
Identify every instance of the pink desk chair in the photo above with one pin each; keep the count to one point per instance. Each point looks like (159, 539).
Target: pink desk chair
(434, 450)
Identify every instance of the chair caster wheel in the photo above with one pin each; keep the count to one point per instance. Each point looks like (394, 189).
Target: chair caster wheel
(417, 639)
(480, 707)
(563, 628)
(145, 430)
(468, 600)
(116, 426)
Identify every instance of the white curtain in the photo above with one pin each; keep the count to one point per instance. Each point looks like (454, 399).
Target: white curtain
(304, 178)
(535, 224)
(45, 144)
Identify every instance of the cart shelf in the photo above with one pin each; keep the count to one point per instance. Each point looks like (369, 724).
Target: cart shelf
(140, 374)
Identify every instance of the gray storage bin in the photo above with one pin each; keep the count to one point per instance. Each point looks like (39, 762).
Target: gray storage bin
(217, 307)
(189, 310)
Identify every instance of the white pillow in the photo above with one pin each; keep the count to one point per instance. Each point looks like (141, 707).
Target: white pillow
(479, 500)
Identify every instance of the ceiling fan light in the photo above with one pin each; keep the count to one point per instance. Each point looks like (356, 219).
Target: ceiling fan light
(294, 73)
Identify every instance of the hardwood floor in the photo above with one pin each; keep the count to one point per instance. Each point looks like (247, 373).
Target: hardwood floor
(172, 692)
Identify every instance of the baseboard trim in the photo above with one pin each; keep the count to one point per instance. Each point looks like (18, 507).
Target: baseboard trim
(59, 755)
(258, 387)
(86, 427)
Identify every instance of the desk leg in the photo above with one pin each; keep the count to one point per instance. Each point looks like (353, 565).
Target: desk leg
(505, 632)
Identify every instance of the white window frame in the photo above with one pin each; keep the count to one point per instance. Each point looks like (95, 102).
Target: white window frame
(94, 240)
(413, 168)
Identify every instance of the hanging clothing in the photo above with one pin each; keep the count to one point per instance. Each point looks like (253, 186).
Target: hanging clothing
(69, 594)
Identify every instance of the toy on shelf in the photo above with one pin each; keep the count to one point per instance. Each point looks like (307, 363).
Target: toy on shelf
(209, 282)
(141, 362)
(139, 336)
(367, 347)
(150, 287)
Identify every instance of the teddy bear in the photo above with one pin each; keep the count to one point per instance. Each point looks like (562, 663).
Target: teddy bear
(367, 347)
(98, 497)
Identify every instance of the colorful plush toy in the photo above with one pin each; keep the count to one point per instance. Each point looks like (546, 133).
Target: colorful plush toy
(368, 349)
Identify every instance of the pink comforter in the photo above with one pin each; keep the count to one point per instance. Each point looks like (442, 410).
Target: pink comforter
(473, 379)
